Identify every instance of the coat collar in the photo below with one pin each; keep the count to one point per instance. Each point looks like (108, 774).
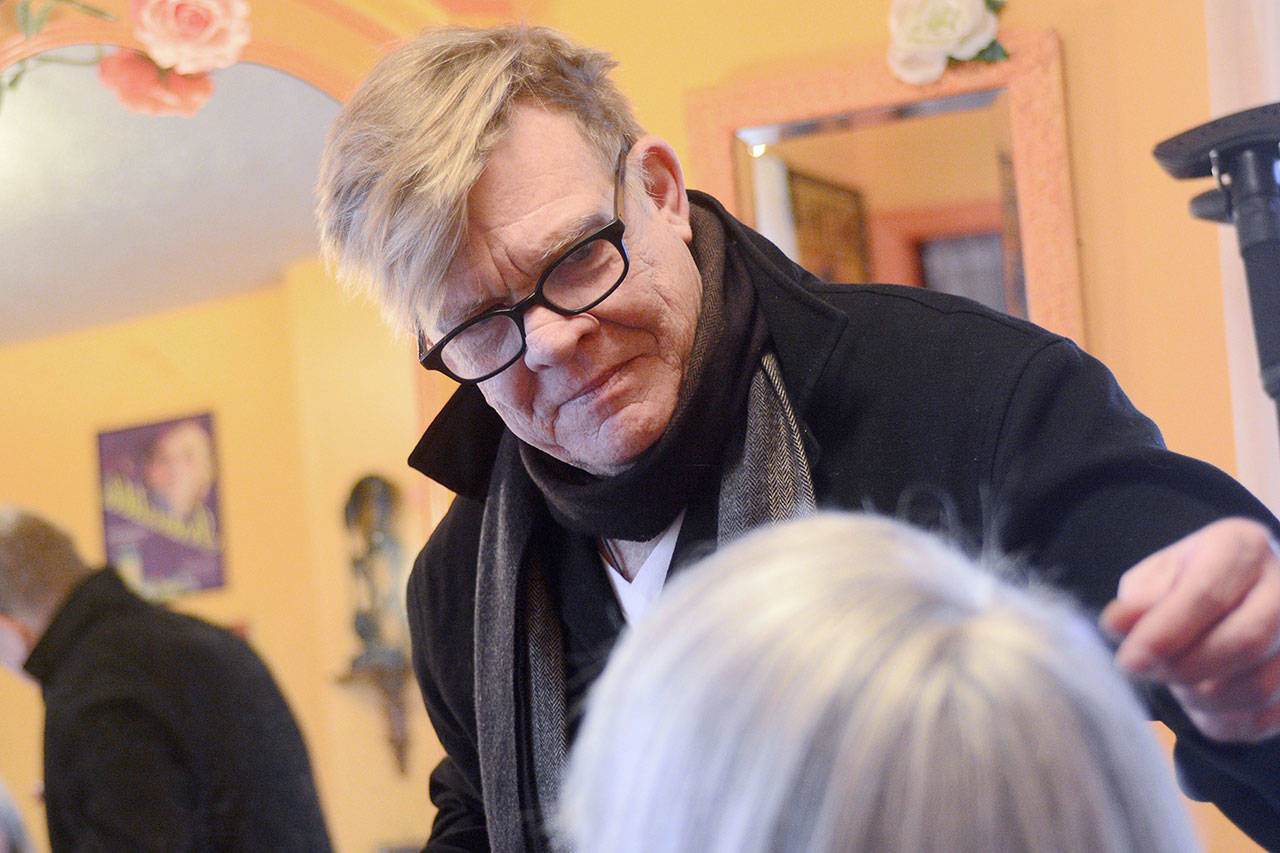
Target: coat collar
(98, 594)
(459, 447)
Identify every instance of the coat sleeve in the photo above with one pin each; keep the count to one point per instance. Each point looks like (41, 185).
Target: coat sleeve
(441, 609)
(1086, 489)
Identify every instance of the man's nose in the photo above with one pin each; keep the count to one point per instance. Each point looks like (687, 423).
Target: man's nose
(551, 338)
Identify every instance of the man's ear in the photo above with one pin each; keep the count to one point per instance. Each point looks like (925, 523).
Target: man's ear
(663, 182)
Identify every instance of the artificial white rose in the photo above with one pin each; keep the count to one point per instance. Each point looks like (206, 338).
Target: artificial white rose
(922, 31)
(917, 66)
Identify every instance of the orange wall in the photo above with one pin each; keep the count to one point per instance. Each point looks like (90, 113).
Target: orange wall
(229, 358)
(358, 415)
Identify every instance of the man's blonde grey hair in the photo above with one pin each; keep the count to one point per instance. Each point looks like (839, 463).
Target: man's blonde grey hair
(405, 151)
(851, 683)
(38, 563)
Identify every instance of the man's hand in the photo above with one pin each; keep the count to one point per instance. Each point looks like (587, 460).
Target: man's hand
(1202, 616)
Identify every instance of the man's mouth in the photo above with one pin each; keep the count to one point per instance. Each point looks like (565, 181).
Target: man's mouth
(596, 386)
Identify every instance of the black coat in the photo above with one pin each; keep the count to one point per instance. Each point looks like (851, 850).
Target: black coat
(913, 403)
(165, 733)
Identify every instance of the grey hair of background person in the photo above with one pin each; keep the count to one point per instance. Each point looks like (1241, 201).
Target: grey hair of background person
(38, 563)
(848, 682)
(406, 149)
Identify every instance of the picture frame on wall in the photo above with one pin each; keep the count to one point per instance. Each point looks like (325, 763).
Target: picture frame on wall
(831, 228)
(160, 514)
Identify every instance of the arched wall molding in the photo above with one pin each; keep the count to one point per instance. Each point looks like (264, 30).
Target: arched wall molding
(1032, 77)
(329, 44)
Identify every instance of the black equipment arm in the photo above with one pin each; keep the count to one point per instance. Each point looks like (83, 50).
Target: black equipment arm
(1241, 152)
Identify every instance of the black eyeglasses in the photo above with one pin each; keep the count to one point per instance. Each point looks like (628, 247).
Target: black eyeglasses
(583, 276)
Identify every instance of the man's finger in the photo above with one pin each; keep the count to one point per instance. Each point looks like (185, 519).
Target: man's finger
(1242, 642)
(1140, 588)
(1215, 569)
(1237, 726)
(1251, 690)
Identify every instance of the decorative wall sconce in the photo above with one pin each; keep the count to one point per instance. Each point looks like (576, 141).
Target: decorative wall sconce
(376, 582)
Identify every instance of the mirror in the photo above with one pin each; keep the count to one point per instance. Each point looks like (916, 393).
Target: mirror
(848, 198)
(109, 214)
(852, 136)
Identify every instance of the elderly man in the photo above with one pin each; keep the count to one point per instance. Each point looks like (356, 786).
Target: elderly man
(162, 732)
(643, 377)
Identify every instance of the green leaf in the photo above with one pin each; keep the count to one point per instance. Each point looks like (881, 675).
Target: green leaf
(23, 14)
(41, 18)
(58, 60)
(995, 5)
(92, 11)
(993, 52)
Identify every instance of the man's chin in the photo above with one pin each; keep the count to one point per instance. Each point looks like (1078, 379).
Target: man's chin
(615, 444)
(610, 462)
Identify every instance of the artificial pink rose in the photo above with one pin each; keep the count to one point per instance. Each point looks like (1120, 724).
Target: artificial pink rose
(192, 36)
(144, 87)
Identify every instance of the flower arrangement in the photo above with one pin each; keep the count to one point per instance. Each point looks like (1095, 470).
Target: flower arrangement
(185, 40)
(192, 36)
(924, 35)
(142, 86)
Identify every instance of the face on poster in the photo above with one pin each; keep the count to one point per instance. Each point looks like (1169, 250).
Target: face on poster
(160, 507)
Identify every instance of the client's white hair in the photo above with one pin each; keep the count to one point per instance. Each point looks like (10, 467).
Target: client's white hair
(849, 682)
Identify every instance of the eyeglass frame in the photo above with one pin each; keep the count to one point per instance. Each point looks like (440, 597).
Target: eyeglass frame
(430, 358)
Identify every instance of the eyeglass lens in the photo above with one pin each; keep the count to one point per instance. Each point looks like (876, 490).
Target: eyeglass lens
(576, 282)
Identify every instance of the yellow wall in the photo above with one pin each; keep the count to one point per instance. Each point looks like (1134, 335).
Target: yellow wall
(358, 415)
(308, 393)
(960, 148)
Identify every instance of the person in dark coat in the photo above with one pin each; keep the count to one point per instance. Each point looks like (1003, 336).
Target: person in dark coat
(162, 732)
(643, 379)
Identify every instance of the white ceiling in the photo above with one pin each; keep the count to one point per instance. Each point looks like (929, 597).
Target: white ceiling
(106, 214)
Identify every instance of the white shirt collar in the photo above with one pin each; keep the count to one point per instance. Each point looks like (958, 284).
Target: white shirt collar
(636, 596)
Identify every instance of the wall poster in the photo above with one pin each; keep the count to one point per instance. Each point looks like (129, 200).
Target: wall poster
(160, 505)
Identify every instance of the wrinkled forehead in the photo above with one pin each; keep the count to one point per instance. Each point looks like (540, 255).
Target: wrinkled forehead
(543, 186)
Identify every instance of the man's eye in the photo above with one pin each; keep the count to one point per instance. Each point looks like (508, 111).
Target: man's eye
(584, 254)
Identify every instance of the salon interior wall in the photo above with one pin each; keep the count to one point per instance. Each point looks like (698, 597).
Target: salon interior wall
(308, 393)
(301, 414)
